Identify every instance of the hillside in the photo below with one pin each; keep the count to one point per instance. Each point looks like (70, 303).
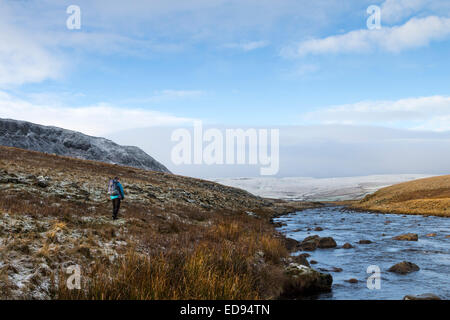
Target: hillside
(177, 237)
(429, 196)
(53, 140)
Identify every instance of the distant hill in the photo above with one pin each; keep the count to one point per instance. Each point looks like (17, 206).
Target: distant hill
(429, 196)
(54, 140)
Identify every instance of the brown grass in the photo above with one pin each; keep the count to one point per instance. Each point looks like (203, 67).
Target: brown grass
(429, 196)
(178, 237)
(220, 265)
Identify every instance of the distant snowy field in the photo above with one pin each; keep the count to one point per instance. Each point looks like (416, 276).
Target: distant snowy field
(315, 189)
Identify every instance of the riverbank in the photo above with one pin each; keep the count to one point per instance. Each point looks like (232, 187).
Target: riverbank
(429, 196)
(177, 237)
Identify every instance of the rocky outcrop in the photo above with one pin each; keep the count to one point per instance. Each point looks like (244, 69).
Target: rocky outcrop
(407, 237)
(303, 280)
(404, 267)
(53, 140)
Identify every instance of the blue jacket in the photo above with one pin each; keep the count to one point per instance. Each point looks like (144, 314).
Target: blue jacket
(122, 194)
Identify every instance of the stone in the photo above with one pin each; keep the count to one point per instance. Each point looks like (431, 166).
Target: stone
(301, 259)
(365, 242)
(310, 243)
(407, 237)
(291, 244)
(424, 296)
(347, 246)
(326, 242)
(404, 267)
(352, 280)
(302, 281)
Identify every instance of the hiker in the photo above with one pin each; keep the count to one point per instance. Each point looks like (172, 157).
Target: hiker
(115, 190)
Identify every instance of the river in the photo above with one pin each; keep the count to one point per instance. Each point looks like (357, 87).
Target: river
(431, 254)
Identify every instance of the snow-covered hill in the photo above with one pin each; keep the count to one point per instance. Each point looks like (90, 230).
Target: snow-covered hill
(30, 136)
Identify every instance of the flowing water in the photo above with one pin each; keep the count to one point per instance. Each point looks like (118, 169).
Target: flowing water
(431, 254)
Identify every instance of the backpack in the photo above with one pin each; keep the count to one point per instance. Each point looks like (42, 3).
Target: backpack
(113, 188)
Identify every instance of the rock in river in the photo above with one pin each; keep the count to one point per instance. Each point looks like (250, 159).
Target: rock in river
(326, 242)
(291, 244)
(407, 237)
(404, 267)
(352, 280)
(311, 243)
(425, 296)
(302, 280)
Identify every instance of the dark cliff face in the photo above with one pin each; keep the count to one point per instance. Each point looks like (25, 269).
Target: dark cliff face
(30, 136)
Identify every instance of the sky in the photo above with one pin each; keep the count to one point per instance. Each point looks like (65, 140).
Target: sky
(309, 67)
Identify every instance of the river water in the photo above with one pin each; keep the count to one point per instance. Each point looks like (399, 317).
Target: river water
(431, 254)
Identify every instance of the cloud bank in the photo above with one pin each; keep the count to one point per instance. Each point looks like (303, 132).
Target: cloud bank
(415, 33)
(424, 113)
(98, 120)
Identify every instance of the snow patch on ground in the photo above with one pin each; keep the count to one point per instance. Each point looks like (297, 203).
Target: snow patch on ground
(317, 189)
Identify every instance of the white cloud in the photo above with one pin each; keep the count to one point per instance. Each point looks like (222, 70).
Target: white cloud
(425, 113)
(413, 34)
(247, 46)
(99, 119)
(23, 59)
(393, 11)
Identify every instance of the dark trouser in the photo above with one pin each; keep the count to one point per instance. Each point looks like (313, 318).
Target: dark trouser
(116, 207)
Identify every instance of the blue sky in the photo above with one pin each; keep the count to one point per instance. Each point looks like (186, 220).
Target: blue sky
(227, 62)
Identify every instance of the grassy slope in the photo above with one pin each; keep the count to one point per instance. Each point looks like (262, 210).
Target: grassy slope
(178, 237)
(429, 196)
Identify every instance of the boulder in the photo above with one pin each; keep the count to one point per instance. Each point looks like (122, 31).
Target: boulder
(347, 246)
(311, 243)
(365, 242)
(404, 267)
(302, 281)
(425, 296)
(291, 244)
(318, 229)
(407, 237)
(326, 242)
(431, 235)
